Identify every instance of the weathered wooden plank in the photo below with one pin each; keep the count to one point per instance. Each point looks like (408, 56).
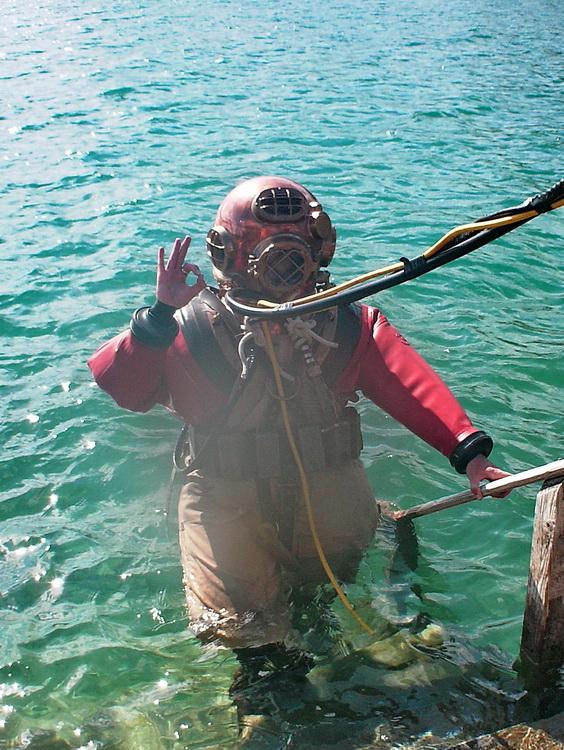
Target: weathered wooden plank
(542, 641)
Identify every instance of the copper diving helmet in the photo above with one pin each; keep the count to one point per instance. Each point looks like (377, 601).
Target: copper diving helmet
(271, 235)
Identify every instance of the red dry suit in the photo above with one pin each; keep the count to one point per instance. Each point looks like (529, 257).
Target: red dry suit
(383, 366)
(232, 554)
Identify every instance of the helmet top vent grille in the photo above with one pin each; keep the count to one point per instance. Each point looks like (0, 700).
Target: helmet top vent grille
(279, 205)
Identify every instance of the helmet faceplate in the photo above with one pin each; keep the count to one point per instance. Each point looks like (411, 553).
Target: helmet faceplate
(271, 235)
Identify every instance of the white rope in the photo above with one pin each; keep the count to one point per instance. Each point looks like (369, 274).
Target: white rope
(301, 332)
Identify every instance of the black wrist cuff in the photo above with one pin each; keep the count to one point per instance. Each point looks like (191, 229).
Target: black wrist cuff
(476, 444)
(162, 312)
(155, 326)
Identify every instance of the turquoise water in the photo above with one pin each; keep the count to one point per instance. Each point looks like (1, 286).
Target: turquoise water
(122, 126)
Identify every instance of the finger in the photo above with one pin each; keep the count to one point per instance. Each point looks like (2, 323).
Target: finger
(184, 245)
(173, 263)
(160, 258)
(500, 495)
(192, 268)
(475, 487)
(494, 473)
(200, 282)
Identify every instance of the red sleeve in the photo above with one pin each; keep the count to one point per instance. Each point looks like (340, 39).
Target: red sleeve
(137, 377)
(131, 372)
(397, 379)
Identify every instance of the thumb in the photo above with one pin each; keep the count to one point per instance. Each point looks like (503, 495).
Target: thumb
(475, 486)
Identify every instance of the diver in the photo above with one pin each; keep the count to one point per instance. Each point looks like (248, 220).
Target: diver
(244, 535)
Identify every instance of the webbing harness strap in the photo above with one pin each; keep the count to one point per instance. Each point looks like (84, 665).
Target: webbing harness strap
(347, 336)
(203, 346)
(210, 298)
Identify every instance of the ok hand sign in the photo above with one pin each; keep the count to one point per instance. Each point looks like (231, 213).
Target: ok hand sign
(172, 288)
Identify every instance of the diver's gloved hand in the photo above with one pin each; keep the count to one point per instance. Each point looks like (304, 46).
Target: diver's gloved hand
(480, 468)
(172, 288)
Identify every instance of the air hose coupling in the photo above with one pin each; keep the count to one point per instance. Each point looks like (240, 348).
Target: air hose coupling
(542, 202)
(477, 444)
(414, 267)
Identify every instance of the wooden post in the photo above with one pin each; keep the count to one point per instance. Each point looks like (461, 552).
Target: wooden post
(542, 641)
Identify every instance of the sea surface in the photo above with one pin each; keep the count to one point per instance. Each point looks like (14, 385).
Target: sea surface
(122, 126)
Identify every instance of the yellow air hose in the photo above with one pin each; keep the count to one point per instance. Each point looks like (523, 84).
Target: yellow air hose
(477, 226)
(304, 481)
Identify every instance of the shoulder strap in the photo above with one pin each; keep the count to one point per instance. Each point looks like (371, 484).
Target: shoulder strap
(209, 296)
(347, 336)
(196, 327)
